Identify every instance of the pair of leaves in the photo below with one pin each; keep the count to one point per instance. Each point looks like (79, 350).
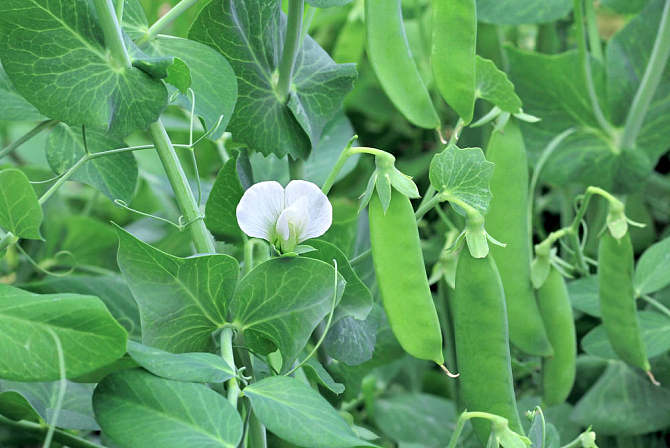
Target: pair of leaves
(184, 300)
(20, 211)
(250, 35)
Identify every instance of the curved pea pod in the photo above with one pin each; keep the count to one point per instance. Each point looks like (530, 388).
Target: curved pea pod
(453, 54)
(558, 371)
(482, 343)
(392, 61)
(507, 221)
(617, 300)
(402, 280)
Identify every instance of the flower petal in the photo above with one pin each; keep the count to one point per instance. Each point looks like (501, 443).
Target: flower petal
(294, 217)
(260, 208)
(318, 208)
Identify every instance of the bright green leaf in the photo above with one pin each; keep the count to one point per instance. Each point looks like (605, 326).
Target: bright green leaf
(88, 333)
(220, 212)
(14, 106)
(136, 410)
(315, 371)
(493, 85)
(651, 272)
(20, 212)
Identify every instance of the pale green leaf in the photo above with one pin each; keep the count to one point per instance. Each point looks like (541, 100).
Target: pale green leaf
(517, 12)
(493, 85)
(220, 211)
(653, 268)
(20, 212)
(14, 106)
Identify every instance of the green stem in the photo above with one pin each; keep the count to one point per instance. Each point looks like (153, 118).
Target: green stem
(456, 133)
(164, 21)
(332, 177)
(204, 243)
(61, 180)
(656, 304)
(586, 68)
(119, 10)
(425, 207)
(464, 417)
(296, 10)
(59, 435)
(44, 125)
(650, 80)
(112, 32)
(248, 256)
(592, 26)
(227, 355)
(296, 168)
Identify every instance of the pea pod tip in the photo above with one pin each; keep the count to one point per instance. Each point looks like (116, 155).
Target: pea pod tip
(652, 378)
(449, 374)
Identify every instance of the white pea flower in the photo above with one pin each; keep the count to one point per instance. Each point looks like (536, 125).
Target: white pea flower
(284, 217)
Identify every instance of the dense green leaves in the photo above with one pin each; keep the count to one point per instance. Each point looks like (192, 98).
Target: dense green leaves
(20, 213)
(75, 80)
(463, 174)
(138, 410)
(249, 34)
(181, 300)
(651, 272)
(298, 414)
(192, 367)
(115, 175)
(516, 12)
(29, 324)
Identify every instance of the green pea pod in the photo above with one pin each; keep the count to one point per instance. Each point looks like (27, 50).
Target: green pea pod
(507, 221)
(392, 61)
(453, 54)
(482, 343)
(617, 300)
(402, 280)
(558, 371)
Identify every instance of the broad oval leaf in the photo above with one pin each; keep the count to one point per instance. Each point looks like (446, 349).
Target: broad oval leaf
(20, 211)
(138, 410)
(115, 176)
(298, 414)
(220, 211)
(181, 300)
(352, 341)
(655, 330)
(88, 333)
(191, 367)
(464, 174)
(75, 80)
(517, 12)
(282, 300)
(651, 272)
(583, 294)
(250, 35)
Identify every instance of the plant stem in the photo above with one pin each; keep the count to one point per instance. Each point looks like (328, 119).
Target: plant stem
(296, 10)
(296, 168)
(44, 125)
(656, 304)
(112, 32)
(119, 10)
(61, 180)
(167, 18)
(204, 243)
(650, 80)
(248, 256)
(592, 26)
(332, 176)
(227, 355)
(464, 417)
(60, 436)
(586, 68)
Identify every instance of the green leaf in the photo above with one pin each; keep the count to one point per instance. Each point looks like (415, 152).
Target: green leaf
(190, 367)
(493, 85)
(625, 6)
(252, 42)
(88, 333)
(416, 418)
(75, 80)
(212, 79)
(313, 421)
(115, 176)
(352, 341)
(517, 12)
(181, 300)
(327, 3)
(220, 211)
(173, 414)
(315, 371)
(463, 174)
(537, 433)
(14, 106)
(651, 272)
(111, 289)
(20, 212)
(583, 294)
(623, 402)
(654, 328)
(13, 405)
(356, 300)
(282, 300)
(41, 399)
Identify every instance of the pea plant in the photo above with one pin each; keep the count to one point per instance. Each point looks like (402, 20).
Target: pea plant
(256, 223)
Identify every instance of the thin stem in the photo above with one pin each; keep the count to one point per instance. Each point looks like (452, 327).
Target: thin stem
(363, 255)
(650, 80)
(59, 435)
(456, 133)
(167, 18)
(586, 68)
(656, 304)
(332, 176)
(66, 176)
(44, 125)
(62, 387)
(464, 417)
(296, 168)
(112, 32)
(119, 10)
(427, 206)
(296, 10)
(248, 256)
(204, 243)
(592, 26)
(227, 355)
